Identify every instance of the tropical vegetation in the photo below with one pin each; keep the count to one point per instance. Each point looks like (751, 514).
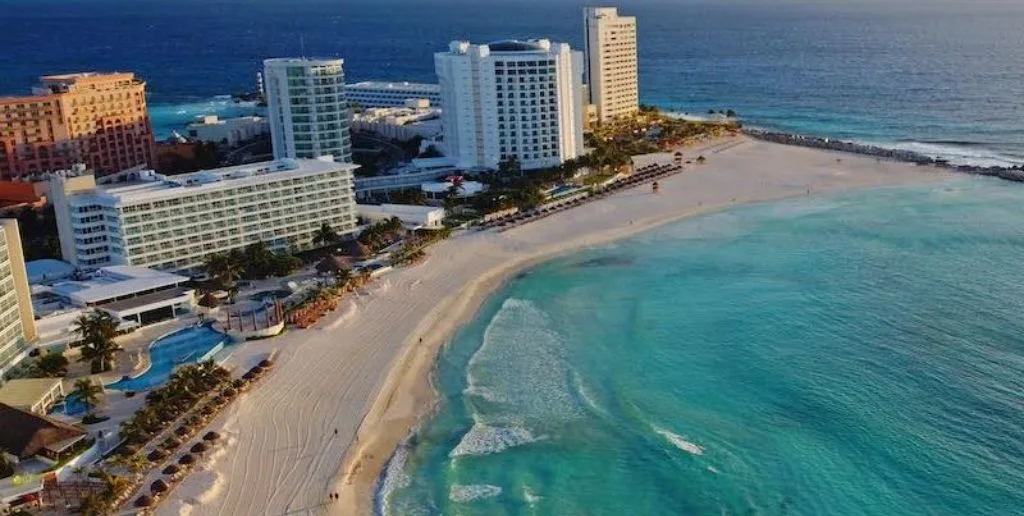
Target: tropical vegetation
(6, 466)
(96, 332)
(325, 235)
(164, 405)
(88, 393)
(254, 262)
(52, 364)
(382, 234)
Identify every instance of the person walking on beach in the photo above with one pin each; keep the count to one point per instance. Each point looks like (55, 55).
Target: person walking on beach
(335, 431)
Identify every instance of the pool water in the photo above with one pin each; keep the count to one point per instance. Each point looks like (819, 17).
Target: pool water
(71, 406)
(189, 345)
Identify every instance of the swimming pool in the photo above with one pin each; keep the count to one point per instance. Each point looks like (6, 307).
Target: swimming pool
(71, 406)
(188, 345)
(563, 190)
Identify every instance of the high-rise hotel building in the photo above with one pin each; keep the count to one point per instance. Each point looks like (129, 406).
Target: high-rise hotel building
(99, 119)
(611, 70)
(17, 322)
(172, 223)
(307, 108)
(511, 99)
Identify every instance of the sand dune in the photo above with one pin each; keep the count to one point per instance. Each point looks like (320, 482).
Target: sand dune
(364, 370)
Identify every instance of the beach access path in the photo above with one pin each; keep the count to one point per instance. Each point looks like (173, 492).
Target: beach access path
(363, 370)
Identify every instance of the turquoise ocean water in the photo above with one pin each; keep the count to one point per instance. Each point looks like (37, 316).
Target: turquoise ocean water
(860, 354)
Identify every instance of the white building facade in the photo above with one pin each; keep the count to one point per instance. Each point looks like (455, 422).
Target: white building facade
(375, 94)
(17, 321)
(174, 223)
(511, 99)
(232, 131)
(611, 62)
(307, 108)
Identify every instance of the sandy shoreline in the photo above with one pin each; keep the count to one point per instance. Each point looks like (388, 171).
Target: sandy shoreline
(303, 434)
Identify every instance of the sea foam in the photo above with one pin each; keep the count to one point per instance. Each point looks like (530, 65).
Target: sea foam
(679, 441)
(470, 492)
(483, 439)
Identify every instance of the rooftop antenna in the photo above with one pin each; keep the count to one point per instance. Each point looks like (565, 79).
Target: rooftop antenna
(302, 46)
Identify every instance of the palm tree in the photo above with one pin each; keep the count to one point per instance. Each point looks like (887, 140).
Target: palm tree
(83, 327)
(96, 332)
(88, 392)
(225, 269)
(325, 235)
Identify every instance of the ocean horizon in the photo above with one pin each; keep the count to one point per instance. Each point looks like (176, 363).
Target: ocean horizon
(941, 78)
(847, 354)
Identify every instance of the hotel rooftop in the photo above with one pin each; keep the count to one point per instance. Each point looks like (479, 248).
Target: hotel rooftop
(115, 282)
(148, 185)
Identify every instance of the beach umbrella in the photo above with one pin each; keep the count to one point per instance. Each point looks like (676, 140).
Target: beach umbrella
(211, 436)
(171, 469)
(144, 501)
(198, 448)
(158, 487)
(332, 265)
(186, 460)
(209, 301)
(156, 455)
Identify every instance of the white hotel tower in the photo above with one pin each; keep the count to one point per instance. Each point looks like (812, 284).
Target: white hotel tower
(507, 99)
(611, 62)
(307, 109)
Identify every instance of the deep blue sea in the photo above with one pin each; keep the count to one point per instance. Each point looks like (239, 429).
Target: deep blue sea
(859, 354)
(939, 76)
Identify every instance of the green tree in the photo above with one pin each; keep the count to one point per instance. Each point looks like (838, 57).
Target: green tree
(53, 364)
(283, 264)
(325, 235)
(6, 467)
(223, 269)
(88, 392)
(96, 332)
(510, 167)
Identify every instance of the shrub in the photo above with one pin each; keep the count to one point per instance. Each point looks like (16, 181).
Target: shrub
(229, 392)
(266, 363)
(257, 370)
(92, 419)
(248, 376)
(238, 384)
(181, 430)
(129, 394)
(6, 467)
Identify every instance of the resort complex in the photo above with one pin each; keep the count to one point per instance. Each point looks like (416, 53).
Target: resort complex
(174, 222)
(511, 100)
(178, 289)
(307, 109)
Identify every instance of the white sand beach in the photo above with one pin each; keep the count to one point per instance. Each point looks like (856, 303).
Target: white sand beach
(363, 371)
